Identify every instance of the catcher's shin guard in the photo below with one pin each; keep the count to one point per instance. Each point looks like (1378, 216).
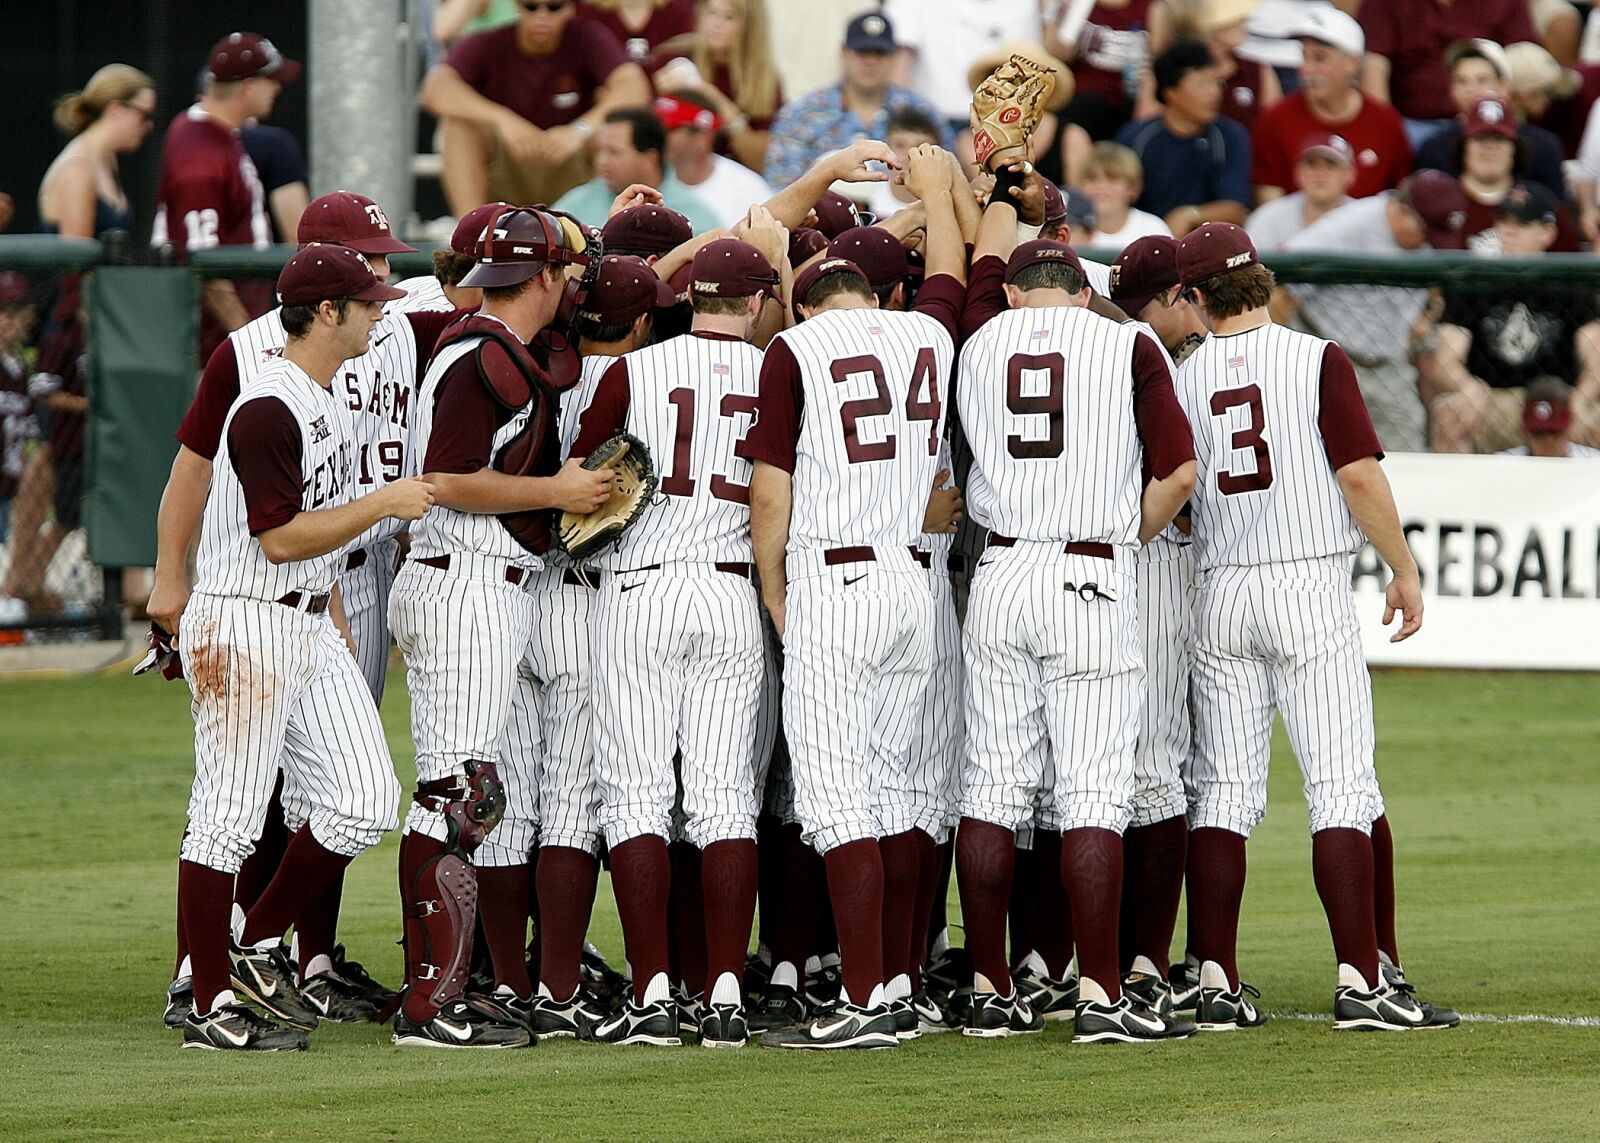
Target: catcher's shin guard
(442, 901)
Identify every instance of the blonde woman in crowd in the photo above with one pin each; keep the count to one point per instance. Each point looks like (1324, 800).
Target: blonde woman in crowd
(727, 60)
(81, 194)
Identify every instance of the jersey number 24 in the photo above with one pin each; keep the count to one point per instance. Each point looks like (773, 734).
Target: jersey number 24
(924, 378)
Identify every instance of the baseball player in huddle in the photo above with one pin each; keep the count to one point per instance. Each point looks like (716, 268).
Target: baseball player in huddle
(846, 445)
(377, 388)
(462, 614)
(442, 291)
(1063, 408)
(1289, 484)
(273, 680)
(1144, 283)
(680, 653)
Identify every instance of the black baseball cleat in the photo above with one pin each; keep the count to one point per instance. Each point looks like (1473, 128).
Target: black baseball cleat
(906, 1026)
(757, 975)
(724, 1026)
(1151, 991)
(180, 1002)
(931, 1016)
(1183, 979)
(508, 1006)
(354, 974)
(1357, 1008)
(462, 1023)
(603, 982)
(689, 1011)
(1125, 1021)
(655, 1024)
(824, 987)
(1436, 1015)
(1052, 999)
(565, 1019)
(948, 971)
(995, 1016)
(265, 977)
(336, 999)
(1218, 1008)
(843, 1026)
(235, 1028)
(778, 1007)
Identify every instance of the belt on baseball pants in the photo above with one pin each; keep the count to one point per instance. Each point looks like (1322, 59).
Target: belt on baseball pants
(732, 567)
(311, 604)
(861, 554)
(1071, 547)
(515, 575)
(355, 559)
(571, 578)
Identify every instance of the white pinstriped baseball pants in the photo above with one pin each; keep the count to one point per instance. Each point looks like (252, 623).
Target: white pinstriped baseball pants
(1054, 686)
(934, 756)
(857, 650)
(678, 667)
(1284, 637)
(275, 687)
(1166, 590)
(463, 632)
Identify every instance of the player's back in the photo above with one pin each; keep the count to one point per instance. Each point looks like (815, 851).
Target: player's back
(258, 346)
(691, 399)
(1047, 404)
(424, 294)
(874, 388)
(1265, 490)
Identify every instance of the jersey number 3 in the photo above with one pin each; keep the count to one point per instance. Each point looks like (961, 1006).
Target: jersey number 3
(1250, 438)
(924, 377)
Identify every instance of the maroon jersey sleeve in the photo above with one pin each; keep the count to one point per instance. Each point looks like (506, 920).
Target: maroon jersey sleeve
(264, 446)
(942, 298)
(1163, 429)
(427, 325)
(201, 430)
(1346, 428)
(776, 431)
(607, 412)
(986, 293)
(465, 421)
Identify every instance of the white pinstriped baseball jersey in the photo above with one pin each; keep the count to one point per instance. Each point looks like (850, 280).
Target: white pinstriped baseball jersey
(1098, 275)
(230, 561)
(444, 531)
(576, 399)
(691, 400)
(423, 293)
(1046, 400)
(874, 384)
(1265, 490)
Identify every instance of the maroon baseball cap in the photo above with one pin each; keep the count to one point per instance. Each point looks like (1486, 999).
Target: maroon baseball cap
(814, 272)
(352, 220)
(625, 288)
(877, 252)
(1490, 115)
(1039, 251)
(1543, 412)
(730, 268)
(324, 271)
(242, 55)
(1146, 267)
(14, 289)
(464, 240)
(1055, 204)
(1442, 205)
(1212, 249)
(646, 229)
(805, 242)
(836, 214)
(1326, 145)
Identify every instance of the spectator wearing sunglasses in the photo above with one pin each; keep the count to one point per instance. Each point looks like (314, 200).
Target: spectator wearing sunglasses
(81, 195)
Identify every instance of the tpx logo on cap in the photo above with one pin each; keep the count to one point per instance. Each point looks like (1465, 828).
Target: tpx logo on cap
(705, 287)
(1240, 259)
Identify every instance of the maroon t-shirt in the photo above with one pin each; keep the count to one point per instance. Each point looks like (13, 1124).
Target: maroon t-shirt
(673, 18)
(1414, 34)
(1163, 429)
(201, 428)
(1377, 138)
(549, 90)
(264, 447)
(1125, 23)
(1241, 93)
(1347, 432)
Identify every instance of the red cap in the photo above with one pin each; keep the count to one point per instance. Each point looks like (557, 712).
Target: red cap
(324, 271)
(352, 220)
(804, 242)
(625, 288)
(646, 229)
(1491, 115)
(1055, 204)
(1146, 267)
(14, 289)
(679, 282)
(1442, 205)
(1038, 251)
(836, 214)
(1546, 415)
(1213, 249)
(464, 240)
(875, 250)
(730, 268)
(812, 273)
(1326, 145)
(674, 112)
(245, 54)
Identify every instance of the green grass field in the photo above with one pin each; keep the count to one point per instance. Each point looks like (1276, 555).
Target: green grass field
(1492, 784)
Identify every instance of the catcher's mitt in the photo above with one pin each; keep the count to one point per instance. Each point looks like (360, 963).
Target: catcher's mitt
(584, 536)
(1006, 108)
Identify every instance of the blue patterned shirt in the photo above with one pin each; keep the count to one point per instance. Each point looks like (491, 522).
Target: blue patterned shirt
(818, 122)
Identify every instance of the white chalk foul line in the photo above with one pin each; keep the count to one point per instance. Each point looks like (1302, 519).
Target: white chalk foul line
(1468, 1018)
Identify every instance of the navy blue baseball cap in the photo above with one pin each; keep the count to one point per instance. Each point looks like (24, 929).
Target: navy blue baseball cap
(870, 32)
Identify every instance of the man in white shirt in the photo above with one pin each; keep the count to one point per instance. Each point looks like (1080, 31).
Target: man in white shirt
(727, 188)
(1323, 172)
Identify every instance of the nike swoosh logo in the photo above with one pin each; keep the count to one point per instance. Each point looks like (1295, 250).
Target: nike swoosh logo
(458, 1031)
(237, 1039)
(383, 339)
(628, 586)
(266, 987)
(1147, 1022)
(856, 579)
(819, 1029)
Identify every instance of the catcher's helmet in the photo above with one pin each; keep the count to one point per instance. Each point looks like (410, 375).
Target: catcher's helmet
(518, 242)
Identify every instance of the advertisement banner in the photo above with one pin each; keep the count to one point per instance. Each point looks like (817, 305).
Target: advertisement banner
(1509, 551)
